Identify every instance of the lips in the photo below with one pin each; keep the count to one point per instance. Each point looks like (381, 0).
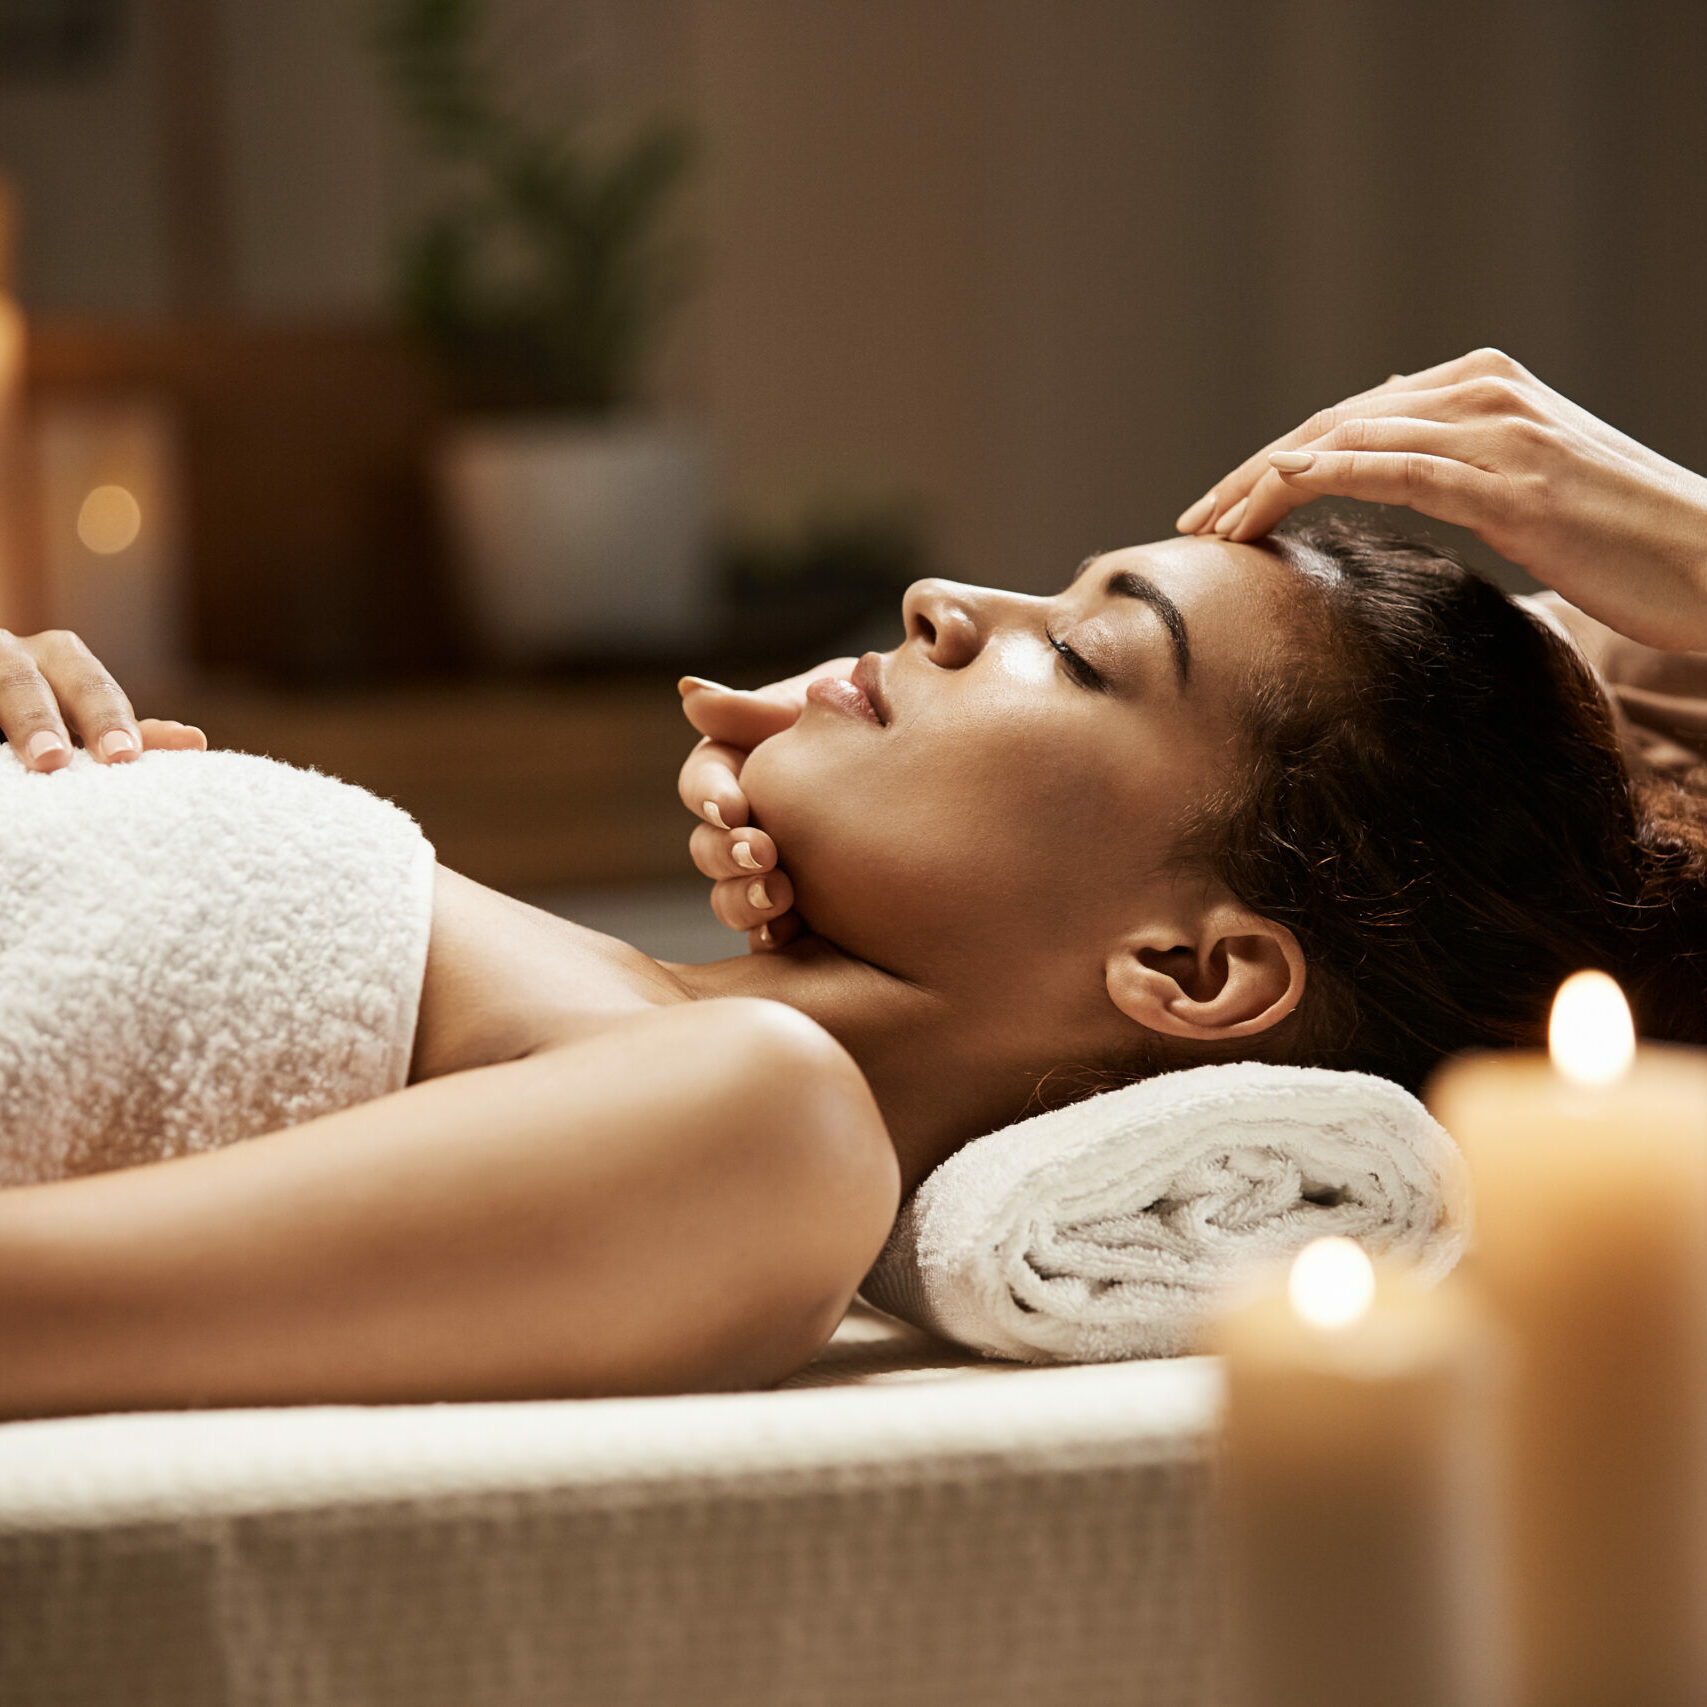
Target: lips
(858, 694)
(868, 678)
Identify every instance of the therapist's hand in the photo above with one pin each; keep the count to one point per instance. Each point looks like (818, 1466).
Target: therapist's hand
(1611, 525)
(750, 892)
(54, 690)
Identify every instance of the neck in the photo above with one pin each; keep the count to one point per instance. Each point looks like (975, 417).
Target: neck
(936, 1082)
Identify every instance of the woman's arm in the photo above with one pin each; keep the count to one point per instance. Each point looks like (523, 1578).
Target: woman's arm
(687, 1200)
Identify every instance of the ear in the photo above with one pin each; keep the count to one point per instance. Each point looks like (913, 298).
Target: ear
(1230, 974)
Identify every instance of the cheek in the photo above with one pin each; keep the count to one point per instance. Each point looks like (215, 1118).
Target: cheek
(852, 812)
(962, 840)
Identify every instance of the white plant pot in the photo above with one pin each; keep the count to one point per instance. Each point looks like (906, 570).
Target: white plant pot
(578, 537)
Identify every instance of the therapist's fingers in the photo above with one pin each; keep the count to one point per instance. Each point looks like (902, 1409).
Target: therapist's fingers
(743, 852)
(169, 735)
(745, 903)
(1448, 490)
(1274, 496)
(1235, 485)
(53, 688)
(745, 717)
(777, 934)
(709, 784)
(732, 715)
(1462, 389)
(1483, 381)
(1436, 403)
(93, 705)
(29, 711)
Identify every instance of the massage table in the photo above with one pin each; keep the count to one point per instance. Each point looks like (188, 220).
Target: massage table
(898, 1523)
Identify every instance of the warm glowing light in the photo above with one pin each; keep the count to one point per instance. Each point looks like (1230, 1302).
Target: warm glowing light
(1591, 1036)
(1332, 1283)
(109, 520)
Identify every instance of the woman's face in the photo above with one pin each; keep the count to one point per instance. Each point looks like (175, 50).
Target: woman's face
(1017, 797)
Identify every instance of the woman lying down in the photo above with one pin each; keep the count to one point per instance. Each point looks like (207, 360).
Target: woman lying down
(1312, 795)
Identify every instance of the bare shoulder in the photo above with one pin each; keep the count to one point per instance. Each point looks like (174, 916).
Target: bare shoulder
(765, 1069)
(800, 1183)
(782, 1043)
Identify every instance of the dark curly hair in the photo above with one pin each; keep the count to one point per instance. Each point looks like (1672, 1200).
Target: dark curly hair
(1435, 803)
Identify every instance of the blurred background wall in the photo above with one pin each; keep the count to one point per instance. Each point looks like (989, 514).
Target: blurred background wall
(1048, 264)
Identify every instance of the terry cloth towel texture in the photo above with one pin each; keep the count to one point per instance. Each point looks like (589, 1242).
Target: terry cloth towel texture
(197, 948)
(1118, 1226)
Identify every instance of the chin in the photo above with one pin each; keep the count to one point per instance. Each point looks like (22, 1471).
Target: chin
(816, 806)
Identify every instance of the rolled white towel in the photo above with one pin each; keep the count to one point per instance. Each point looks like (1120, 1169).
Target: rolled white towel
(1113, 1228)
(197, 948)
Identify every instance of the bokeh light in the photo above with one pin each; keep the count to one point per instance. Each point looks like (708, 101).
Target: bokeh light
(109, 520)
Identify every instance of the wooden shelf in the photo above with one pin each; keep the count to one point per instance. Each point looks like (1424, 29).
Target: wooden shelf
(521, 786)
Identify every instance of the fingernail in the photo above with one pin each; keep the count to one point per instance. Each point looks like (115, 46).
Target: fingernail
(43, 742)
(743, 852)
(688, 683)
(1292, 461)
(708, 809)
(1197, 515)
(765, 936)
(1232, 518)
(757, 894)
(117, 741)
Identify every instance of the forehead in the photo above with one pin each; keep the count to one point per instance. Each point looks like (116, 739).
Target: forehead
(1234, 598)
(1206, 567)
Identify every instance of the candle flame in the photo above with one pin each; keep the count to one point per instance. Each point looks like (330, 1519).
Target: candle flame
(1332, 1283)
(109, 520)
(1591, 1036)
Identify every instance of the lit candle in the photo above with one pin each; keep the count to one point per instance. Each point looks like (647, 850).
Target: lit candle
(1590, 1173)
(1354, 1483)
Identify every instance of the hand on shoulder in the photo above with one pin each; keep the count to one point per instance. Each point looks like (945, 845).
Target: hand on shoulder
(53, 689)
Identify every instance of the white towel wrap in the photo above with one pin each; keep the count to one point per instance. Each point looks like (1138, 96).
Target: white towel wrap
(197, 948)
(1114, 1227)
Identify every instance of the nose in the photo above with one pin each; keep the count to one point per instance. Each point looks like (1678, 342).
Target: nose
(943, 617)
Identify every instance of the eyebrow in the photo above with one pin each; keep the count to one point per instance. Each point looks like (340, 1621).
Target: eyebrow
(1129, 584)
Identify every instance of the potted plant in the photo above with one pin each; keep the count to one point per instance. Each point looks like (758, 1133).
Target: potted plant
(539, 283)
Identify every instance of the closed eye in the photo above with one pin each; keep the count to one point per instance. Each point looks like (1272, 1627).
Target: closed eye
(1080, 669)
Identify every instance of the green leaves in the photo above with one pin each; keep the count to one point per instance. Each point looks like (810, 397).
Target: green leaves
(545, 272)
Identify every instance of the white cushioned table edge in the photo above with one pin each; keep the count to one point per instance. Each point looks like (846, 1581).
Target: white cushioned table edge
(902, 1521)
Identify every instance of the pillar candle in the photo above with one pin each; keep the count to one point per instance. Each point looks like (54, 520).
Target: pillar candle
(1354, 1491)
(1590, 1174)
